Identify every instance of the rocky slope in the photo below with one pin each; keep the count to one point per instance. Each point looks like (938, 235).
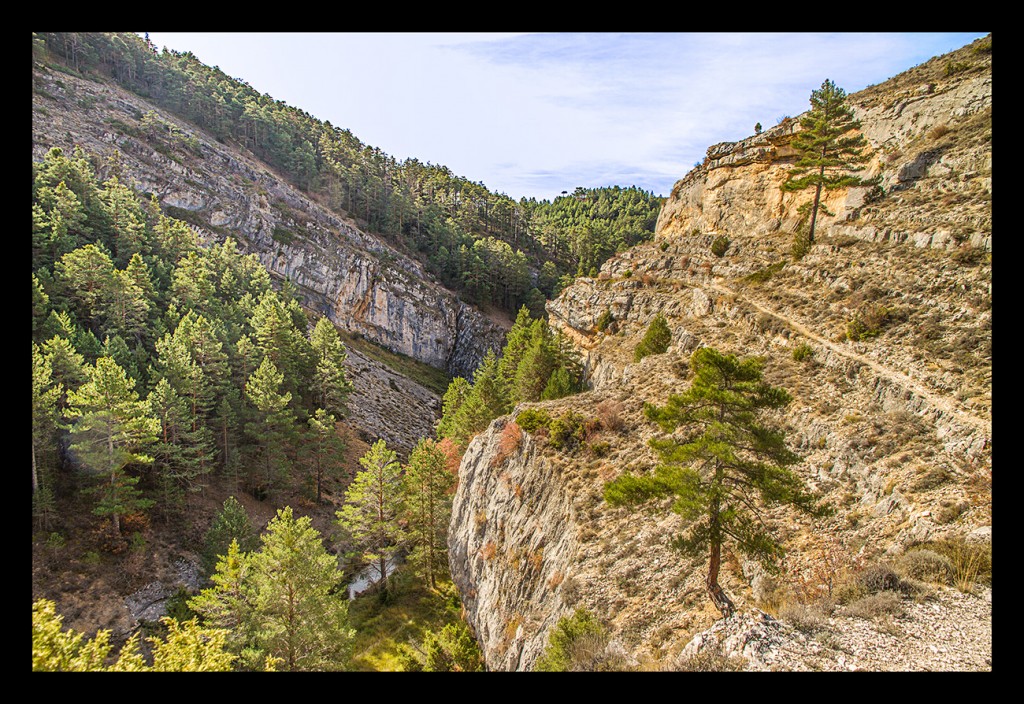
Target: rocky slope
(891, 313)
(360, 283)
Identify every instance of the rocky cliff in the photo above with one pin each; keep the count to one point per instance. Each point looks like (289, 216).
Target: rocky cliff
(360, 283)
(881, 331)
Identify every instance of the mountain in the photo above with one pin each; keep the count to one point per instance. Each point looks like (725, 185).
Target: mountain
(359, 282)
(882, 333)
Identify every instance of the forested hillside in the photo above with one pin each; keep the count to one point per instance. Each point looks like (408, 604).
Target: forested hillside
(488, 246)
(184, 395)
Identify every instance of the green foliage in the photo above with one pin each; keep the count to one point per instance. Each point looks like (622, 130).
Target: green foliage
(828, 155)
(232, 524)
(604, 320)
(111, 430)
(567, 430)
(452, 649)
(762, 275)
(802, 352)
(656, 340)
(726, 464)
(720, 245)
(280, 604)
(427, 505)
(869, 322)
(577, 643)
(374, 502)
(188, 647)
(532, 419)
(801, 245)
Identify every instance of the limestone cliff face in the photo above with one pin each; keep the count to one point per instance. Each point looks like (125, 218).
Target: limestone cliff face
(881, 332)
(360, 283)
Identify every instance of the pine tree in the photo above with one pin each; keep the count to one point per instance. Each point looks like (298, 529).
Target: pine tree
(229, 605)
(232, 524)
(325, 449)
(456, 395)
(428, 506)
(273, 425)
(300, 612)
(828, 153)
(331, 386)
(656, 340)
(373, 505)
(729, 465)
(111, 430)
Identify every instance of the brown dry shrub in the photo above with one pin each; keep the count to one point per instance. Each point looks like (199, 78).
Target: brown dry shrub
(609, 413)
(508, 442)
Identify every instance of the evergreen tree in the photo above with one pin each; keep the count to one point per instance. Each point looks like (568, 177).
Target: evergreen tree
(232, 524)
(535, 368)
(828, 153)
(428, 505)
(111, 430)
(45, 396)
(300, 610)
(456, 395)
(656, 340)
(229, 605)
(331, 386)
(274, 421)
(188, 647)
(729, 465)
(372, 508)
(324, 450)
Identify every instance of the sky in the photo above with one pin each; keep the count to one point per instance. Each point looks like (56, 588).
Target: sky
(535, 114)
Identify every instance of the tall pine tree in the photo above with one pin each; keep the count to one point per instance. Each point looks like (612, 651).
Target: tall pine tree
(729, 464)
(828, 153)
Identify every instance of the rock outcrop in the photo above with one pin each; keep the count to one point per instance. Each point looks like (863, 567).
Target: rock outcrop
(881, 332)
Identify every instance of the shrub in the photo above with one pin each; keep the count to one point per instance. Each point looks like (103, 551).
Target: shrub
(955, 67)
(938, 131)
(508, 442)
(762, 275)
(879, 577)
(656, 340)
(720, 245)
(578, 643)
(606, 318)
(567, 430)
(610, 414)
(531, 419)
(801, 246)
(664, 245)
(872, 605)
(926, 565)
(627, 273)
(972, 563)
(711, 660)
(802, 352)
(806, 617)
(869, 322)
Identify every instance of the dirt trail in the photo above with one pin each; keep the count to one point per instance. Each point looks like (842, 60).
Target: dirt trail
(944, 403)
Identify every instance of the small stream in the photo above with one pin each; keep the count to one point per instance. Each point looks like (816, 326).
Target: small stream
(367, 577)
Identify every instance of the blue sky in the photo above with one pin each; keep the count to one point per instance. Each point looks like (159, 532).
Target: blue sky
(535, 114)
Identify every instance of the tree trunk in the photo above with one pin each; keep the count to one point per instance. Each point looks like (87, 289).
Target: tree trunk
(718, 596)
(814, 212)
